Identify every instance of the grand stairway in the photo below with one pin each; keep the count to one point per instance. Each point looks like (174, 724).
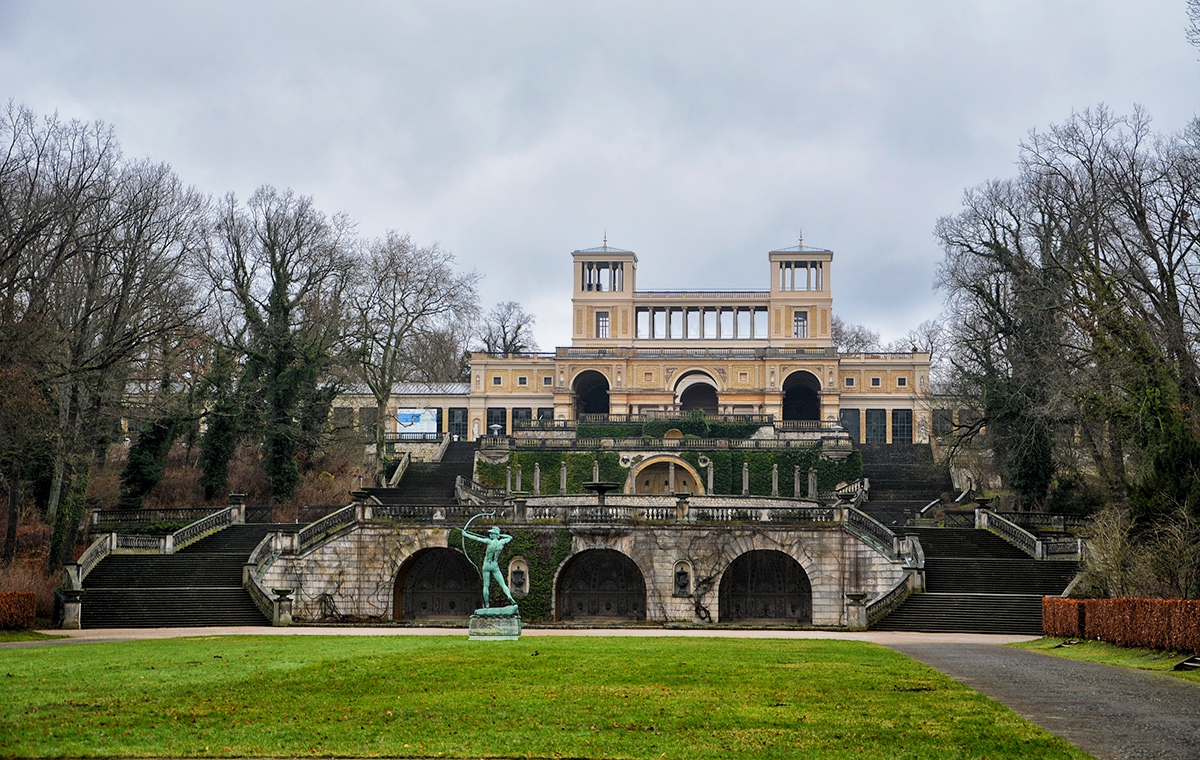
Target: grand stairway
(431, 483)
(904, 478)
(198, 586)
(976, 582)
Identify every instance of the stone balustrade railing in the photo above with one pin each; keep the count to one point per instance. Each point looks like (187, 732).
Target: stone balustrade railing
(1038, 548)
(401, 468)
(332, 523)
(505, 443)
(879, 607)
(146, 516)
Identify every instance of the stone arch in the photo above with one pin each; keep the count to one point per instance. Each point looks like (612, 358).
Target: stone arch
(590, 389)
(697, 389)
(600, 585)
(694, 483)
(436, 584)
(802, 396)
(762, 585)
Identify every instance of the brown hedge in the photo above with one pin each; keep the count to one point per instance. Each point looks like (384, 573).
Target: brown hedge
(1169, 624)
(17, 610)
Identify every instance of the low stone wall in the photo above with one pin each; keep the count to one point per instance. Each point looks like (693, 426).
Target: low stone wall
(354, 573)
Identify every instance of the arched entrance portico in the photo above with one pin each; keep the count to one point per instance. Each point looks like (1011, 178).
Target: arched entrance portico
(653, 476)
(696, 390)
(801, 396)
(437, 584)
(765, 585)
(602, 585)
(591, 393)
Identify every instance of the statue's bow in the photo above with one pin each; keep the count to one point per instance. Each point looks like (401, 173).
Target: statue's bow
(463, 538)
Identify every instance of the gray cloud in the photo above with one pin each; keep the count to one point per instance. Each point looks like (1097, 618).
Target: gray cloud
(699, 134)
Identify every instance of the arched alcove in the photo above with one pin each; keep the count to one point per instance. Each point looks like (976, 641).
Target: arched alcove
(801, 396)
(765, 585)
(653, 476)
(591, 393)
(437, 584)
(601, 584)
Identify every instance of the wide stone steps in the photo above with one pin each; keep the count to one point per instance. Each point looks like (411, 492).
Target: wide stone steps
(201, 585)
(998, 576)
(431, 483)
(964, 543)
(169, 608)
(967, 613)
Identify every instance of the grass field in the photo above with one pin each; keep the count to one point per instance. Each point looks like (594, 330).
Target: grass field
(1111, 654)
(6, 636)
(547, 697)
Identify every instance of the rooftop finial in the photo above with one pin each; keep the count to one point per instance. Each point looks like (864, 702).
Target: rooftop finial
(605, 238)
(801, 237)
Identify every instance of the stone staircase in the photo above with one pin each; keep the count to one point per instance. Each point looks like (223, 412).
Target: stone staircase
(976, 582)
(431, 483)
(904, 478)
(198, 586)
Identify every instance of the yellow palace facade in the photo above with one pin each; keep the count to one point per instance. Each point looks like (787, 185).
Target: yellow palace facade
(767, 353)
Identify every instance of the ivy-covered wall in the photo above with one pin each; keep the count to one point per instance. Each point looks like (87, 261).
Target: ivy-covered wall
(695, 426)
(727, 469)
(544, 550)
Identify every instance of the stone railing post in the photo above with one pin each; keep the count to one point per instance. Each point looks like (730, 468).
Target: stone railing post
(167, 544)
(710, 478)
(775, 480)
(856, 611)
(562, 478)
(683, 509)
(72, 607)
(508, 480)
(812, 482)
(537, 479)
(745, 478)
(520, 510)
(281, 607)
(519, 479)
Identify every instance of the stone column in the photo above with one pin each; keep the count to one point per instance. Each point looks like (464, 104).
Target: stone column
(710, 478)
(812, 483)
(507, 480)
(537, 479)
(745, 478)
(671, 478)
(796, 482)
(519, 488)
(775, 480)
(562, 478)
(595, 470)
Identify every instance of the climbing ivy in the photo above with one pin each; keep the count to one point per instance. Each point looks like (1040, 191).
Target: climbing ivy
(579, 469)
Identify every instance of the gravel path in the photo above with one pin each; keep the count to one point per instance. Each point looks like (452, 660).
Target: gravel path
(1108, 711)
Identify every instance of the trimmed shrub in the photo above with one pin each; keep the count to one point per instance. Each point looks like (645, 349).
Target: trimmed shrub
(17, 610)
(1168, 624)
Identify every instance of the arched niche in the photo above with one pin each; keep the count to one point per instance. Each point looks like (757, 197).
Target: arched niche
(591, 393)
(801, 396)
(601, 585)
(697, 390)
(653, 476)
(437, 584)
(763, 585)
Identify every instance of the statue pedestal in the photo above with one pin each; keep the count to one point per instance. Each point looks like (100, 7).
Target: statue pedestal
(495, 624)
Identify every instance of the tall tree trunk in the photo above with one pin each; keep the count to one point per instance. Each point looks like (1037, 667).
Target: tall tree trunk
(10, 533)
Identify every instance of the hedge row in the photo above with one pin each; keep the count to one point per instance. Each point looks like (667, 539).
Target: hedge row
(17, 610)
(1169, 624)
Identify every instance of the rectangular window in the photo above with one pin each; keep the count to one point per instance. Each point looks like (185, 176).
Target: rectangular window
(693, 324)
(660, 324)
(497, 420)
(902, 429)
(876, 426)
(799, 324)
(456, 423)
(545, 413)
(602, 324)
(876, 382)
(849, 382)
(710, 323)
(643, 324)
(367, 417)
(849, 419)
(521, 414)
(547, 380)
(676, 324)
(522, 380)
(343, 417)
(760, 324)
(496, 380)
(902, 382)
(727, 331)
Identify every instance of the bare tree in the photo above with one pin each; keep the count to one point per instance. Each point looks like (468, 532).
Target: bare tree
(853, 339)
(508, 329)
(407, 303)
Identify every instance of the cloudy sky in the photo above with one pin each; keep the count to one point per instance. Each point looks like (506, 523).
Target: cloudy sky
(700, 135)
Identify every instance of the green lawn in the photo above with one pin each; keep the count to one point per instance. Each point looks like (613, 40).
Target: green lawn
(576, 697)
(1111, 654)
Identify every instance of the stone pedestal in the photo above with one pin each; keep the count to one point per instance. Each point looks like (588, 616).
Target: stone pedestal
(495, 624)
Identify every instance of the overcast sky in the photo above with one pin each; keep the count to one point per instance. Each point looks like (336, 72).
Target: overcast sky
(700, 135)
